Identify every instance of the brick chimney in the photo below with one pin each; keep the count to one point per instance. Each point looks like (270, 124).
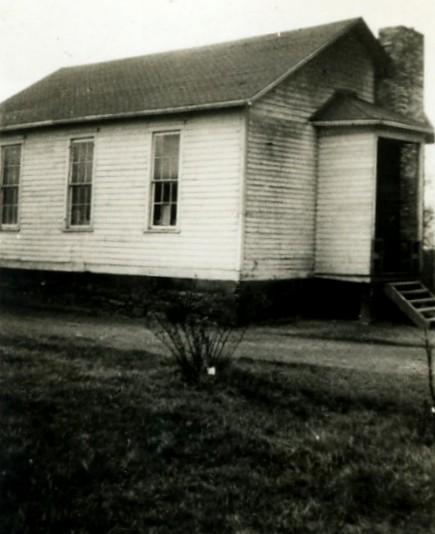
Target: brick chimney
(401, 90)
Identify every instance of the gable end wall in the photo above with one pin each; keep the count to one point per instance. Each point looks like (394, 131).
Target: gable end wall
(280, 196)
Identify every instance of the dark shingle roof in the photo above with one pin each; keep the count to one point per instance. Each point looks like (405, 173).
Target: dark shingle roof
(346, 108)
(219, 75)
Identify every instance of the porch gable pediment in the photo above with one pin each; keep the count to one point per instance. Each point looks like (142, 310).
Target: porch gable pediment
(346, 109)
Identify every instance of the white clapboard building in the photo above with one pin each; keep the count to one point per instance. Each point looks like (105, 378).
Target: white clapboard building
(290, 156)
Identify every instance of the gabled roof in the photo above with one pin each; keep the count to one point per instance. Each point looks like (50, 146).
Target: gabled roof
(345, 108)
(215, 76)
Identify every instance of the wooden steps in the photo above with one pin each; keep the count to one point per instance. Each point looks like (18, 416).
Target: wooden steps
(415, 301)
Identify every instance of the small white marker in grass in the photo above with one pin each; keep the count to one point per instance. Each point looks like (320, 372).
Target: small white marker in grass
(211, 371)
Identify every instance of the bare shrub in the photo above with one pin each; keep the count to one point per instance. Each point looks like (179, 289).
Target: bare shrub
(199, 331)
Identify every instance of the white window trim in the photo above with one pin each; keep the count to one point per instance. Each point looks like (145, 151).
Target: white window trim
(15, 227)
(68, 227)
(150, 227)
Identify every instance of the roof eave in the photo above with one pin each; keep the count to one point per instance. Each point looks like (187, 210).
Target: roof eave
(427, 132)
(126, 115)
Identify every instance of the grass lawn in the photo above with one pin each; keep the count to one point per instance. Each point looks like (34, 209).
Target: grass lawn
(98, 440)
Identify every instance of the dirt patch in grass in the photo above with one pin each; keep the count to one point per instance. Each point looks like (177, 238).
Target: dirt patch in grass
(100, 440)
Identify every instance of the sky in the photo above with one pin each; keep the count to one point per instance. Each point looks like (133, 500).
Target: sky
(40, 36)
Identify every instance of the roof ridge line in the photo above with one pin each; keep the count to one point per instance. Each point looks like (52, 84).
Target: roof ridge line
(210, 45)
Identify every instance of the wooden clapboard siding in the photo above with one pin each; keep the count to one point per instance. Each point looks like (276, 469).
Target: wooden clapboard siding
(206, 244)
(345, 203)
(279, 237)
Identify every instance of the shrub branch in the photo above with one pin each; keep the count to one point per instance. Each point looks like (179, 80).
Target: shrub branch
(430, 371)
(197, 331)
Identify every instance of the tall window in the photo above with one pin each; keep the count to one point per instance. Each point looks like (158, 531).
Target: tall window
(166, 150)
(10, 181)
(80, 182)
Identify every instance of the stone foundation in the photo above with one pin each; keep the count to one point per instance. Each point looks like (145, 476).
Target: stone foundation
(133, 295)
(127, 295)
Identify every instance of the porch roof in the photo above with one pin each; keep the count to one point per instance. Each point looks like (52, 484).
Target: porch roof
(345, 108)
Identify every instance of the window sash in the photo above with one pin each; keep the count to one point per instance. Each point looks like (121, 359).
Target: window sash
(165, 175)
(9, 184)
(80, 183)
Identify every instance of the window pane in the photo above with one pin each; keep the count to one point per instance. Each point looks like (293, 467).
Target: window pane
(81, 172)
(166, 192)
(6, 215)
(173, 169)
(172, 143)
(173, 214)
(80, 182)
(80, 204)
(158, 189)
(10, 195)
(74, 216)
(75, 149)
(156, 218)
(81, 194)
(158, 145)
(74, 172)
(87, 214)
(166, 214)
(174, 191)
(80, 215)
(10, 177)
(166, 150)
(88, 171)
(164, 168)
(11, 155)
(81, 149)
(75, 196)
(157, 169)
(81, 159)
(88, 195)
(165, 175)
(10, 214)
(86, 152)
(89, 156)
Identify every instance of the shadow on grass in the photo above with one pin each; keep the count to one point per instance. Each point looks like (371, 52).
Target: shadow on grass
(262, 448)
(84, 349)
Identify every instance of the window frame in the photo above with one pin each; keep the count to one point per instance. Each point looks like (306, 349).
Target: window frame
(15, 226)
(68, 226)
(159, 228)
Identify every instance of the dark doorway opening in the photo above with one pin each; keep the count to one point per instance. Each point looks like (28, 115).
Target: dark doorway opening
(397, 250)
